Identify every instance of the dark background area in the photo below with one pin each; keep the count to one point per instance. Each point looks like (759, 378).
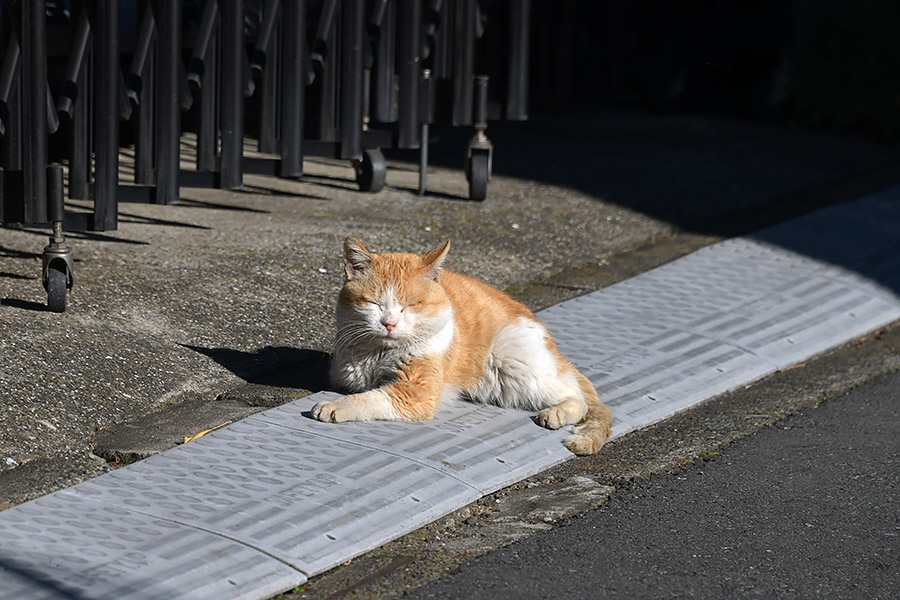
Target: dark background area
(833, 64)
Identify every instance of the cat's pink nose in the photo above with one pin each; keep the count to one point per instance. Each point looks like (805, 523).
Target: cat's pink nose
(390, 323)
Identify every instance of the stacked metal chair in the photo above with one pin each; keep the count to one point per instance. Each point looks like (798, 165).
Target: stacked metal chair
(80, 81)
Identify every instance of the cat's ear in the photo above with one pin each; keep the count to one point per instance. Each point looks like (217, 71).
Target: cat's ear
(356, 258)
(434, 259)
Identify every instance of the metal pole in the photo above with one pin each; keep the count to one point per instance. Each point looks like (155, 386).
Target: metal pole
(292, 88)
(384, 105)
(207, 84)
(517, 91)
(80, 134)
(145, 145)
(9, 68)
(259, 56)
(10, 96)
(168, 105)
(352, 29)
(134, 82)
(442, 62)
(231, 67)
(55, 195)
(265, 65)
(324, 33)
(34, 111)
(410, 13)
(105, 26)
(327, 82)
(144, 78)
(424, 119)
(11, 201)
(69, 93)
(202, 47)
(480, 108)
(432, 20)
(463, 62)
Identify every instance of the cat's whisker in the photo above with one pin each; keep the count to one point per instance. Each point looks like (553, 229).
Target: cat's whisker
(350, 336)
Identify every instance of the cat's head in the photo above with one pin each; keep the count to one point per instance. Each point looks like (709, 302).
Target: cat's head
(393, 298)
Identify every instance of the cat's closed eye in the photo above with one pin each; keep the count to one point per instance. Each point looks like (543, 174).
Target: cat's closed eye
(411, 305)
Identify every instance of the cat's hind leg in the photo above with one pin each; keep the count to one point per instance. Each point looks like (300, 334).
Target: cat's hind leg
(524, 370)
(593, 431)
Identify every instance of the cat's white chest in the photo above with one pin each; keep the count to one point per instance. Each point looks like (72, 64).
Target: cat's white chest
(361, 371)
(369, 364)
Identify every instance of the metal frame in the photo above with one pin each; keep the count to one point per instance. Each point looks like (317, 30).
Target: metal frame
(370, 79)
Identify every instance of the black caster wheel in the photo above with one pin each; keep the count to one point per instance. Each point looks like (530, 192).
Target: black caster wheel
(371, 171)
(56, 287)
(478, 176)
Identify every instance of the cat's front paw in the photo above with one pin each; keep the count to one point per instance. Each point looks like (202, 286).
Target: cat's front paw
(565, 413)
(553, 417)
(330, 412)
(374, 405)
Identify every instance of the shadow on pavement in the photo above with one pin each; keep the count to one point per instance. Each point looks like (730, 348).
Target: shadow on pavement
(24, 304)
(274, 366)
(701, 173)
(52, 588)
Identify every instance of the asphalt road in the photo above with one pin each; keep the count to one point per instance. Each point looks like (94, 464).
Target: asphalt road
(807, 508)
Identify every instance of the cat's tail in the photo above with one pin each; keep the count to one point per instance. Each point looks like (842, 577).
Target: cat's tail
(593, 430)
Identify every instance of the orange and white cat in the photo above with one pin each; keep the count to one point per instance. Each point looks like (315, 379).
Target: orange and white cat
(410, 333)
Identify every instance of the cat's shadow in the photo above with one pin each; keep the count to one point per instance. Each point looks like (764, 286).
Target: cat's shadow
(275, 366)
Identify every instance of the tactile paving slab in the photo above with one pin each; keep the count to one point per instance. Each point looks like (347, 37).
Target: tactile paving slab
(733, 312)
(483, 446)
(66, 546)
(312, 501)
(253, 508)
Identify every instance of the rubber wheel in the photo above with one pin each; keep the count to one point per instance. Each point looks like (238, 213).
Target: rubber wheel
(371, 171)
(478, 177)
(56, 289)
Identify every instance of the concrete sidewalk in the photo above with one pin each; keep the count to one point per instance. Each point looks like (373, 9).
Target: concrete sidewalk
(261, 505)
(186, 303)
(199, 309)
